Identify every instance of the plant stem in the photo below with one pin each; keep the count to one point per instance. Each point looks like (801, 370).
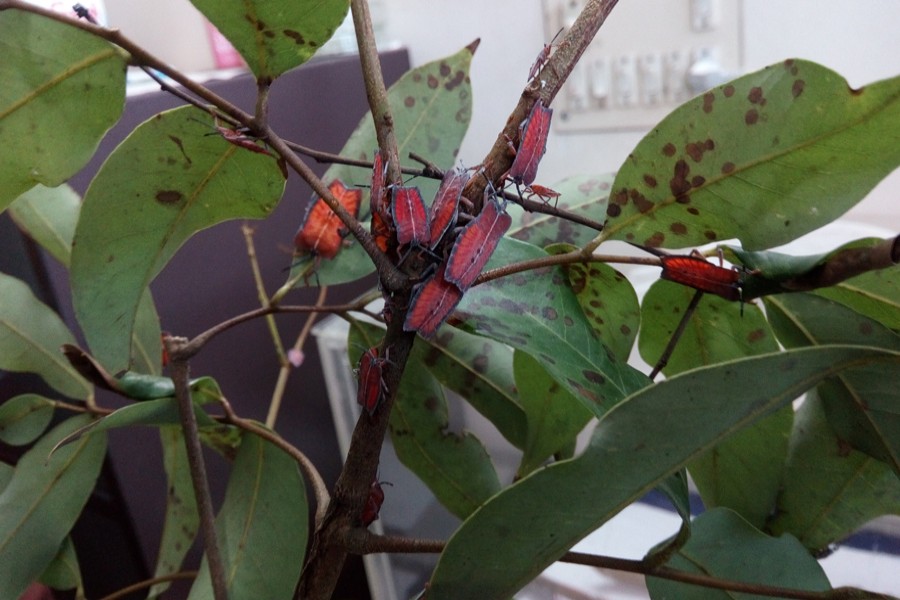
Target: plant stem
(569, 258)
(676, 335)
(181, 376)
(320, 490)
(140, 585)
(286, 366)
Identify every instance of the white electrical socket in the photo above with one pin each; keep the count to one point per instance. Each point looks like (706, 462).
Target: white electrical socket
(649, 57)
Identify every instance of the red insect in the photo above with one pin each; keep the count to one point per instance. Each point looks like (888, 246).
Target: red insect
(382, 224)
(373, 504)
(239, 137)
(444, 209)
(371, 383)
(410, 217)
(532, 144)
(432, 303)
(322, 231)
(698, 273)
(544, 193)
(476, 242)
(542, 57)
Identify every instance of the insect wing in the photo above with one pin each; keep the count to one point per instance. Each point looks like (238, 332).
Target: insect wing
(373, 504)
(432, 304)
(476, 243)
(382, 223)
(700, 274)
(532, 145)
(410, 218)
(321, 231)
(371, 385)
(349, 198)
(444, 208)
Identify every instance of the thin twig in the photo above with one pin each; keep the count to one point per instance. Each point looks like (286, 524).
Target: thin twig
(247, 231)
(320, 490)
(140, 585)
(676, 335)
(286, 367)
(180, 377)
(569, 258)
(202, 339)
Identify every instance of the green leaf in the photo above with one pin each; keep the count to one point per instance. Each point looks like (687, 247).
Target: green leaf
(554, 418)
(608, 301)
(24, 418)
(744, 472)
(875, 294)
(63, 573)
(481, 371)
(584, 195)
(432, 107)
(522, 530)
(829, 489)
(455, 467)
(715, 332)
(765, 158)
(162, 412)
(520, 311)
(275, 36)
(30, 337)
(262, 526)
(181, 521)
(725, 546)
(42, 501)
(863, 405)
(163, 183)
(62, 90)
(49, 216)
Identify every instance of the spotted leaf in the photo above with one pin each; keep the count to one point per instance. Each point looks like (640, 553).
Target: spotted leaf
(536, 312)
(275, 36)
(765, 158)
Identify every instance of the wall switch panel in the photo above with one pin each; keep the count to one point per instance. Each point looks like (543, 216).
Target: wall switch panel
(649, 57)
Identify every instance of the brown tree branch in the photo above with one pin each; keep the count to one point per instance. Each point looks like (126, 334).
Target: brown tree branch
(197, 467)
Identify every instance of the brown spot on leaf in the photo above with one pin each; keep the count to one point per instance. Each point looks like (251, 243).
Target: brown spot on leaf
(457, 80)
(650, 180)
(797, 87)
(678, 228)
(697, 180)
(594, 377)
(296, 36)
(756, 335)
(409, 102)
(433, 82)
(756, 96)
(669, 149)
(656, 240)
(549, 313)
(751, 117)
(679, 184)
(728, 167)
(640, 201)
(624, 329)
(728, 90)
(708, 99)
(444, 69)
(693, 210)
(169, 196)
(613, 210)
(710, 235)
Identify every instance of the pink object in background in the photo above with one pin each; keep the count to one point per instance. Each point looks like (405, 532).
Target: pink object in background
(224, 54)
